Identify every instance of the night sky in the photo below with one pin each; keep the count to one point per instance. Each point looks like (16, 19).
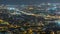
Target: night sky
(19, 2)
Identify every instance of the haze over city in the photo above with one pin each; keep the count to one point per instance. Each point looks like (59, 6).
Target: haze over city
(20, 2)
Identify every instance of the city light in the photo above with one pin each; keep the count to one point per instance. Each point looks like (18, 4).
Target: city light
(11, 8)
(30, 19)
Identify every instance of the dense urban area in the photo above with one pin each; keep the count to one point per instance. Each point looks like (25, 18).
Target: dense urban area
(30, 19)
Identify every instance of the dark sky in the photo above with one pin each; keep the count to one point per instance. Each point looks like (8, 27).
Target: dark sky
(19, 2)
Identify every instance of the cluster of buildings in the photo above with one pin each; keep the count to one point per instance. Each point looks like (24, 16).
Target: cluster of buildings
(30, 19)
